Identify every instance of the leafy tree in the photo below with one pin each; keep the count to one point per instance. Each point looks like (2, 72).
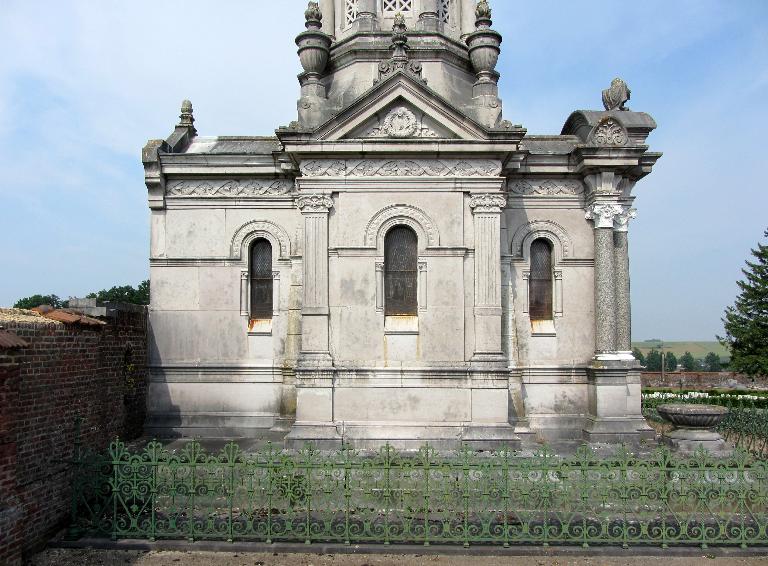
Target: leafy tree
(124, 294)
(670, 362)
(746, 322)
(712, 362)
(688, 362)
(38, 300)
(638, 355)
(653, 360)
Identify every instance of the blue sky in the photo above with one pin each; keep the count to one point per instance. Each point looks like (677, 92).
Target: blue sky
(84, 84)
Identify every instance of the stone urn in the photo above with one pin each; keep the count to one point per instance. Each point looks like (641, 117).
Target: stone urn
(314, 45)
(694, 427)
(484, 45)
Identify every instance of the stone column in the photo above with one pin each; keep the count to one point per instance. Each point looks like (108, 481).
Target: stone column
(428, 16)
(486, 208)
(315, 313)
(367, 17)
(621, 264)
(468, 17)
(603, 215)
(329, 17)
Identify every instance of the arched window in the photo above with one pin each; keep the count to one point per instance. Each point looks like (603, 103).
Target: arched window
(261, 279)
(540, 281)
(401, 263)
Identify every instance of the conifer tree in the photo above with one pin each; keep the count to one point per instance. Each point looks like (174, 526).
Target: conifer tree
(746, 322)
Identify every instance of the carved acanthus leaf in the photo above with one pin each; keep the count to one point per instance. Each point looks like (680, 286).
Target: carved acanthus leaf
(604, 215)
(621, 221)
(548, 187)
(401, 168)
(230, 188)
(314, 203)
(609, 132)
(487, 202)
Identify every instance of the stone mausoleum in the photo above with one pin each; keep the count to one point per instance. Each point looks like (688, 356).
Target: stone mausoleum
(401, 264)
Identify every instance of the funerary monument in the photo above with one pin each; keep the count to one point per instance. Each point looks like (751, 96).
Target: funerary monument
(401, 264)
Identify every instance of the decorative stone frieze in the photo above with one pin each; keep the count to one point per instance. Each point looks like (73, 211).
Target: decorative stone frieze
(401, 168)
(621, 221)
(604, 215)
(314, 203)
(230, 188)
(487, 203)
(609, 132)
(401, 123)
(548, 187)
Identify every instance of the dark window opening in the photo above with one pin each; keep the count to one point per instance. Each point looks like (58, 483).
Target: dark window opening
(401, 263)
(261, 280)
(540, 280)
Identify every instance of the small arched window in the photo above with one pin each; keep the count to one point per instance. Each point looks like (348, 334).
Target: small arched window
(540, 280)
(261, 279)
(401, 264)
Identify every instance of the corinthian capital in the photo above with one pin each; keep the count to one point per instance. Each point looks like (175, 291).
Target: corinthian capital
(604, 215)
(621, 222)
(314, 203)
(486, 202)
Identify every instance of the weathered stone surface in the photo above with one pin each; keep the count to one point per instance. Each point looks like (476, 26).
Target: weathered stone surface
(397, 128)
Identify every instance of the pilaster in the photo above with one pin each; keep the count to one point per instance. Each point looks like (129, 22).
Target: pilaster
(486, 209)
(315, 312)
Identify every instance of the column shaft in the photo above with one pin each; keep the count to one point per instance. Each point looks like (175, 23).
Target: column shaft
(468, 17)
(605, 292)
(329, 17)
(623, 305)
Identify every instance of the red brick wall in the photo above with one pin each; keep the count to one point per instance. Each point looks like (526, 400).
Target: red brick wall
(10, 511)
(699, 380)
(68, 371)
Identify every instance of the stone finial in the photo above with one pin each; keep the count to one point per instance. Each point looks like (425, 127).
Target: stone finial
(186, 118)
(399, 37)
(313, 16)
(615, 97)
(483, 14)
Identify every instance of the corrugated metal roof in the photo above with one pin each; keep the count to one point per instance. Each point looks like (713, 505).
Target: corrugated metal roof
(9, 341)
(68, 317)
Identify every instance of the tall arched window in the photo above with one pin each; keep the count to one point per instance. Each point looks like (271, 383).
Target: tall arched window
(401, 263)
(261, 279)
(540, 280)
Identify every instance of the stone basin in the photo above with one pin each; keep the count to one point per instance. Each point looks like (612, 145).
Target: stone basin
(691, 415)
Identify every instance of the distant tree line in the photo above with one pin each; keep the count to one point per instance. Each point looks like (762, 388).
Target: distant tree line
(653, 361)
(124, 294)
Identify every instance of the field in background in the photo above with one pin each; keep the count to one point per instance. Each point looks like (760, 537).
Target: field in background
(697, 349)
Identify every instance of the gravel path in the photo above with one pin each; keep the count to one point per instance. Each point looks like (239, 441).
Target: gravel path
(60, 557)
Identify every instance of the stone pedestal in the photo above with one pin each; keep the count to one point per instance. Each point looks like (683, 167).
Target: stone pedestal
(689, 441)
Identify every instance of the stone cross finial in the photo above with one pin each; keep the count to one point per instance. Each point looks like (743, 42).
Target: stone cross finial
(615, 97)
(186, 118)
(313, 16)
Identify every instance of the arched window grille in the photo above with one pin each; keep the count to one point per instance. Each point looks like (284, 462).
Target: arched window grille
(401, 264)
(444, 8)
(261, 279)
(350, 12)
(540, 281)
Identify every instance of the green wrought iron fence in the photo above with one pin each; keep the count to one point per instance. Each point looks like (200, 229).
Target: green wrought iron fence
(465, 498)
(745, 425)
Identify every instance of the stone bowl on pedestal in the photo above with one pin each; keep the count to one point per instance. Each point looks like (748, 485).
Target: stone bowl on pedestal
(694, 428)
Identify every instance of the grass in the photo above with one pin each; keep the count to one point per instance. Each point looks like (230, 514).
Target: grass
(698, 349)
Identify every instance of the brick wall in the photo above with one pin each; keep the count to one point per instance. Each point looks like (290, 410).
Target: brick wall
(10, 509)
(700, 380)
(99, 374)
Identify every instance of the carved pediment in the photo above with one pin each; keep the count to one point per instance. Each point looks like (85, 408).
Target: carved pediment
(401, 108)
(401, 121)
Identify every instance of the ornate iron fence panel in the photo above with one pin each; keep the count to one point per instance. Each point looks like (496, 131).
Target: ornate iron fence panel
(426, 498)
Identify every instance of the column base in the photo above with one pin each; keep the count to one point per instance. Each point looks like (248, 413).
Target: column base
(618, 430)
(314, 360)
